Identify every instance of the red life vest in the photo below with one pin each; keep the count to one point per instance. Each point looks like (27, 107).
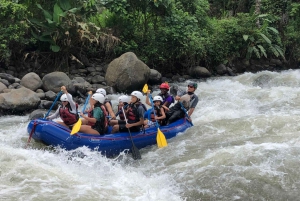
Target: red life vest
(68, 117)
(132, 113)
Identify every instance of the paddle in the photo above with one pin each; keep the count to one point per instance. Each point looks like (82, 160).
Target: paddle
(77, 125)
(135, 152)
(58, 95)
(185, 112)
(145, 88)
(160, 137)
(34, 125)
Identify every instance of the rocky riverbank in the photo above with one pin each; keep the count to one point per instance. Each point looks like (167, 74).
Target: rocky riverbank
(24, 89)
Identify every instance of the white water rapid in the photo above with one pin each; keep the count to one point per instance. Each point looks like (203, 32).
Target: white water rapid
(245, 145)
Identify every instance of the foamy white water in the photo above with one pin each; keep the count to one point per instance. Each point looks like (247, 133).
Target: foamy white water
(244, 145)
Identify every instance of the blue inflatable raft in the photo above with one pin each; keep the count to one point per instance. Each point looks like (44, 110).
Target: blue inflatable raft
(51, 133)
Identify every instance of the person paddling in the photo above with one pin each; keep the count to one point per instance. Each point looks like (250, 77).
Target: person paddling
(96, 121)
(158, 114)
(188, 100)
(134, 114)
(67, 111)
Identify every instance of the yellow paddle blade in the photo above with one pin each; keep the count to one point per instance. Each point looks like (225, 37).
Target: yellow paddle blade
(76, 127)
(145, 88)
(161, 139)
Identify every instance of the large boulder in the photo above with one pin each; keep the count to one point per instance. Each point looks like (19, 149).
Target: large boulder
(19, 100)
(127, 73)
(155, 77)
(32, 81)
(53, 81)
(199, 72)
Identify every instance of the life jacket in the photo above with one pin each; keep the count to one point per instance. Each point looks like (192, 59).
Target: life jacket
(68, 117)
(157, 113)
(102, 124)
(165, 96)
(132, 113)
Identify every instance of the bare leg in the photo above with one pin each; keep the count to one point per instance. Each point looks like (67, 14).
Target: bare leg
(88, 129)
(113, 122)
(84, 122)
(115, 129)
(62, 123)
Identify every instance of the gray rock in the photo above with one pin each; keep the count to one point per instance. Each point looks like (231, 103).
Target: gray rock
(50, 95)
(127, 73)
(19, 100)
(53, 81)
(32, 81)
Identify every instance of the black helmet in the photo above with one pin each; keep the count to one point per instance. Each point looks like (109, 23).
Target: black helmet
(194, 84)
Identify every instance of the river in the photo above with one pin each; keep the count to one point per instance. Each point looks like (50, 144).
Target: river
(245, 145)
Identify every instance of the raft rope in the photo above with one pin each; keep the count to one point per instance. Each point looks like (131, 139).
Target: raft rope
(31, 133)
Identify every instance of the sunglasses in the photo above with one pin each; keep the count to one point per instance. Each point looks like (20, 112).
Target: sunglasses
(191, 86)
(64, 101)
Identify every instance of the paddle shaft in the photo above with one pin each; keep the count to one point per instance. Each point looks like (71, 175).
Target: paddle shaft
(121, 109)
(58, 95)
(185, 112)
(86, 102)
(135, 152)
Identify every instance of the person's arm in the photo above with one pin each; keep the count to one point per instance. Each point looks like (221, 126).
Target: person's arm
(147, 98)
(97, 114)
(110, 111)
(163, 115)
(165, 107)
(191, 110)
(72, 103)
(55, 115)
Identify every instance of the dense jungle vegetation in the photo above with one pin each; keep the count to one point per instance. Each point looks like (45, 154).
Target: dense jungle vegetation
(162, 33)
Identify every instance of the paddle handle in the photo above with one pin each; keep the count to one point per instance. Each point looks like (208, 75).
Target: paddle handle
(58, 95)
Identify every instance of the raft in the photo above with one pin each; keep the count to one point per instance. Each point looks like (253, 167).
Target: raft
(52, 133)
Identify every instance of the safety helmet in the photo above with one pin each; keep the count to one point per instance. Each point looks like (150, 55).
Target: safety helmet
(101, 91)
(124, 99)
(137, 94)
(164, 86)
(194, 84)
(64, 97)
(158, 98)
(98, 97)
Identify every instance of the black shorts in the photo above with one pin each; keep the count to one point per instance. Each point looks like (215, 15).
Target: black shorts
(122, 128)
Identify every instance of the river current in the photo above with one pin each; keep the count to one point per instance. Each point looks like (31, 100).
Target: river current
(245, 145)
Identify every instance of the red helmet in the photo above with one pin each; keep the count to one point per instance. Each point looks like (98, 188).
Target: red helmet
(164, 86)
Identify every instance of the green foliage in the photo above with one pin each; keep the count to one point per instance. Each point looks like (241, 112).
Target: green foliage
(260, 39)
(65, 27)
(13, 29)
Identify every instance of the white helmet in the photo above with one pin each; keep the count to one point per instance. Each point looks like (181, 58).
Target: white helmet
(124, 99)
(98, 97)
(64, 97)
(101, 91)
(157, 98)
(137, 94)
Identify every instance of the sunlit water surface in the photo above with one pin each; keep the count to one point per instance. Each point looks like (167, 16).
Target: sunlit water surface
(245, 145)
